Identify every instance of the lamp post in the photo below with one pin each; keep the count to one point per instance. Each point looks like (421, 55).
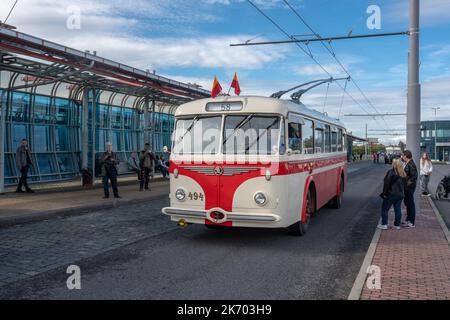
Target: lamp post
(435, 131)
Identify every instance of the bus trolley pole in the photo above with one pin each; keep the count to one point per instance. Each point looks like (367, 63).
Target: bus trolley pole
(413, 98)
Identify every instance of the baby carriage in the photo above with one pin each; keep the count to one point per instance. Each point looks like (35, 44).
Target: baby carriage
(443, 188)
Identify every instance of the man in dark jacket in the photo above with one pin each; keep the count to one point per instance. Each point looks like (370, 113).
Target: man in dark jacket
(23, 161)
(109, 161)
(147, 159)
(412, 174)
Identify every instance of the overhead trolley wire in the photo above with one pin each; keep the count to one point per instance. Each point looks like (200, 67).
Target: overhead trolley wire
(333, 54)
(309, 54)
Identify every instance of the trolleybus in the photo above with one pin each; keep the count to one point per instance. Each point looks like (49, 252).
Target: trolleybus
(254, 162)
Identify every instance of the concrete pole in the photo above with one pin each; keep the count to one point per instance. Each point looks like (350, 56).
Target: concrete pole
(413, 99)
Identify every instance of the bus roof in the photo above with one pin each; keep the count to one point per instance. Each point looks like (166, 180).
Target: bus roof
(255, 104)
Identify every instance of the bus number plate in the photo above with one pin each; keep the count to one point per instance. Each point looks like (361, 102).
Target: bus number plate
(196, 196)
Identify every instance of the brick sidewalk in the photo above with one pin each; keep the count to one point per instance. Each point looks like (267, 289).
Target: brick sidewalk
(414, 263)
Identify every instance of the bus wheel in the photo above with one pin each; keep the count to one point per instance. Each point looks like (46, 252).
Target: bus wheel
(300, 228)
(337, 200)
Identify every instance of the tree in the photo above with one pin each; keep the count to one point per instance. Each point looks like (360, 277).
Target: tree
(402, 146)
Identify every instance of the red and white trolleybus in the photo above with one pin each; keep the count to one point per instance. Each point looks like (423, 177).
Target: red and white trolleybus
(254, 162)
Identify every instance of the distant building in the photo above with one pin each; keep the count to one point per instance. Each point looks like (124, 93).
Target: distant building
(435, 139)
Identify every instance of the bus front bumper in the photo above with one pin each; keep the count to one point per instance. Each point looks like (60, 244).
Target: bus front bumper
(224, 218)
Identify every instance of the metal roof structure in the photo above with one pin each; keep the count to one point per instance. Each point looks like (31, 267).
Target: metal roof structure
(47, 62)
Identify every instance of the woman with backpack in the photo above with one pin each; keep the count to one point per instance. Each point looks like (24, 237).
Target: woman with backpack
(393, 194)
(426, 168)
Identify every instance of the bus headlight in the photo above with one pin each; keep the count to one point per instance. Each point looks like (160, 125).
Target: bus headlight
(260, 198)
(180, 194)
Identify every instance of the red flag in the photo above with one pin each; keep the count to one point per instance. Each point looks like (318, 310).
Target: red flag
(216, 88)
(235, 85)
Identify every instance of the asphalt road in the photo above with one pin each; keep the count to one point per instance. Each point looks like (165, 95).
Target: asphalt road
(161, 261)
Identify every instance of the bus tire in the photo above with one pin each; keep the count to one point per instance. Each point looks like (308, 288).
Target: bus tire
(336, 203)
(300, 228)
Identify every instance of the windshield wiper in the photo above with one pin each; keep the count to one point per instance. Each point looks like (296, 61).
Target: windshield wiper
(194, 121)
(257, 139)
(240, 125)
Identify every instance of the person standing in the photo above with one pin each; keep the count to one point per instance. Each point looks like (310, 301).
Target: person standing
(23, 161)
(412, 175)
(109, 161)
(147, 159)
(393, 193)
(426, 169)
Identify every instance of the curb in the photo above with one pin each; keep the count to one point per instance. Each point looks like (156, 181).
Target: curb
(66, 212)
(360, 280)
(440, 220)
(97, 185)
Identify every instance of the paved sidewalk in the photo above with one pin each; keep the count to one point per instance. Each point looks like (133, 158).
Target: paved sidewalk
(414, 263)
(22, 208)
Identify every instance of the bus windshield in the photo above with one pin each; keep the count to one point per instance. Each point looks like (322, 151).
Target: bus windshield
(197, 135)
(251, 134)
(242, 134)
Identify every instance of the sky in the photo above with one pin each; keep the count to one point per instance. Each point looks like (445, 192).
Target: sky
(190, 41)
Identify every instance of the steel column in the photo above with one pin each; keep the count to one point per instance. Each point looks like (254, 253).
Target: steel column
(153, 124)
(146, 119)
(2, 141)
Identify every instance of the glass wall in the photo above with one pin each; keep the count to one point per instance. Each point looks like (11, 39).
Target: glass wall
(53, 129)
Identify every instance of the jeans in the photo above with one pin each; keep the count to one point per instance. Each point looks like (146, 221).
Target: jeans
(388, 202)
(410, 206)
(110, 176)
(424, 180)
(23, 178)
(145, 177)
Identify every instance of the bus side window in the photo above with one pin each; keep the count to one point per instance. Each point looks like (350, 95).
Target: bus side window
(319, 138)
(333, 141)
(295, 137)
(327, 139)
(308, 137)
(340, 140)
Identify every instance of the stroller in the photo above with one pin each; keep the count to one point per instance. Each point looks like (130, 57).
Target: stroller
(443, 188)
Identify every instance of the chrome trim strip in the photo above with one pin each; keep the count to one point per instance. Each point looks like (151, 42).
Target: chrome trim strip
(227, 171)
(230, 216)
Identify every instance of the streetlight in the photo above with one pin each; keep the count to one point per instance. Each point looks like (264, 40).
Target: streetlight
(435, 131)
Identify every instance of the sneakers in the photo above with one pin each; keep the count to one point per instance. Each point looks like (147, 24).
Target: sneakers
(382, 226)
(408, 224)
(397, 227)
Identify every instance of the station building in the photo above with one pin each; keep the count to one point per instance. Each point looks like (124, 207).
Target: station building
(435, 139)
(69, 103)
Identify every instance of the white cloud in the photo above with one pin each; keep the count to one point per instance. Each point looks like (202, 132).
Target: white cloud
(432, 12)
(107, 28)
